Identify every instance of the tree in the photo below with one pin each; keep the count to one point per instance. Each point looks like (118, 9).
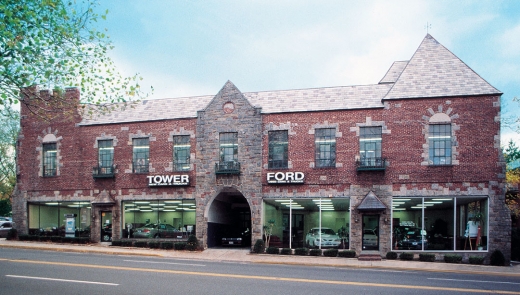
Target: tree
(55, 44)
(9, 128)
(512, 158)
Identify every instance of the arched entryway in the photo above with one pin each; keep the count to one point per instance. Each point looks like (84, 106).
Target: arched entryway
(229, 216)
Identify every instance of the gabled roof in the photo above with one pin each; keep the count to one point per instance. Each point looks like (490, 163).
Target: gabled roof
(371, 203)
(433, 71)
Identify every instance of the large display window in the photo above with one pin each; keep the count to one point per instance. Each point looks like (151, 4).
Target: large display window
(313, 223)
(50, 218)
(440, 224)
(144, 219)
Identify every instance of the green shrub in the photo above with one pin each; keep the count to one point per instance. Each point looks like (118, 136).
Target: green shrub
(330, 253)
(153, 244)
(497, 258)
(24, 237)
(126, 243)
(347, 253)
(259, 246)
(273, 250)
(428, 257)
(141, 244)
(179, 246)
(315, 252)
(301, 251)
(166, 245)
(391, 255)
(476, 259)
(452, 258)
(116, 243)
(406, 256)
(286, 251)
(56, 239)
(192, 244)
(12, 234)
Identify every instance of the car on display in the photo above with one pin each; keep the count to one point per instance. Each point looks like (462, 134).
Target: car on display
(413, 240)
(237, 238)
(3, 218)
(327, 239)
(156, 230)
(369, 237)
(5, 226)
(106, 233)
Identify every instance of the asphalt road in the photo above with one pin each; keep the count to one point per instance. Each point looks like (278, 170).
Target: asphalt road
(44, 272)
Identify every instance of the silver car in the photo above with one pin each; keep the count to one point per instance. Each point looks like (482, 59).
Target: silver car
(328, 238)
(157, 230)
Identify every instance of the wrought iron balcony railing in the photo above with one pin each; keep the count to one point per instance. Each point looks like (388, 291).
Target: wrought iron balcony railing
(371, 164)
(104, 171)
(227, 168)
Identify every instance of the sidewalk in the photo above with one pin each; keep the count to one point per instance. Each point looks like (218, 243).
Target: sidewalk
(243, 255)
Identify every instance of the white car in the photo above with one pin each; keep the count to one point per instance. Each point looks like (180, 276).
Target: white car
(328, 238)
(369, 237)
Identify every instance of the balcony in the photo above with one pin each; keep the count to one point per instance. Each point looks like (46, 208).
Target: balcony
(104, 171)
(371, 164)
(227, 168)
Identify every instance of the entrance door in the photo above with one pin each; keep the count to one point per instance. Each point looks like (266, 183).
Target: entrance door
(370, 232)
(106, 226)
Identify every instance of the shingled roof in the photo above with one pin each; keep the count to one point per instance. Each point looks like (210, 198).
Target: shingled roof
(433, 71)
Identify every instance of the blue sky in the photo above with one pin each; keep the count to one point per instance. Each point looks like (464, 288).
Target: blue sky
(189, 48)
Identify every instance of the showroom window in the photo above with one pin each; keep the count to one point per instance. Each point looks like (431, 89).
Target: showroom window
(48, 218)
(158, 218)
(313, 223)
(181, 152)
(437, 224)
(228, 147)
(370, 139)
(50, 160)
(141, 155)
(278, 149)
(439, 137)
(325, 146)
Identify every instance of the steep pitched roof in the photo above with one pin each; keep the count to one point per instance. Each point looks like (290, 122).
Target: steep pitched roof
(434, 71)
(394, 72)
(371, 203)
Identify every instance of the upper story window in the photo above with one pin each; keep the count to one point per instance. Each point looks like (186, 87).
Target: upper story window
(50, 160)
(141, 155)
(439, 138)
(228, 147)
(370, 139)
(278, 149)
(105, 153)
(181, 153)
(325, 141)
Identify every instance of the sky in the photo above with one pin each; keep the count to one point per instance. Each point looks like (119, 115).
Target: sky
(190, 48)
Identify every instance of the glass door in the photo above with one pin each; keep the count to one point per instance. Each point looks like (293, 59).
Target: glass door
(106, 226)
(371, 232)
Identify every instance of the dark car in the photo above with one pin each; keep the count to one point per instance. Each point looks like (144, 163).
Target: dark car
(106, 233)
(413, 240)
(237, 238)
(157, 230)
(5, 226)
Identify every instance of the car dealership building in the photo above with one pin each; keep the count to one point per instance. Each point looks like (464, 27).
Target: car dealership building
(411, 163)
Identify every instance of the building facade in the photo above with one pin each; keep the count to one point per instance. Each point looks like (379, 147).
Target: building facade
(412, 163)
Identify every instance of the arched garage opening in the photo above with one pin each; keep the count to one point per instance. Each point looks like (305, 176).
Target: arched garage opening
(229, 217)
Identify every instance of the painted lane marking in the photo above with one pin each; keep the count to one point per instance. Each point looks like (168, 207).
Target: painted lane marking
(159, 262)
(474, 281)
(280, 279)
(61, 280)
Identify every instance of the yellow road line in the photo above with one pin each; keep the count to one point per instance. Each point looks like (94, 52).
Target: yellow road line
(252, 277)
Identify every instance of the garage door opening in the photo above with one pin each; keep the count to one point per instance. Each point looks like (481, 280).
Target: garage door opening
(229, 221)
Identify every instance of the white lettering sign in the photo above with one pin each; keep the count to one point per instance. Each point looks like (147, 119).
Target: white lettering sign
(168, 180)
(285, 177)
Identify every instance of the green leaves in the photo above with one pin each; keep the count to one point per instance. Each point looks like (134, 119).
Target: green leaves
(55, 43)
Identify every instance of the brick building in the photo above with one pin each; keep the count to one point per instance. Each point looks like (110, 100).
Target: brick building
(411, 163)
